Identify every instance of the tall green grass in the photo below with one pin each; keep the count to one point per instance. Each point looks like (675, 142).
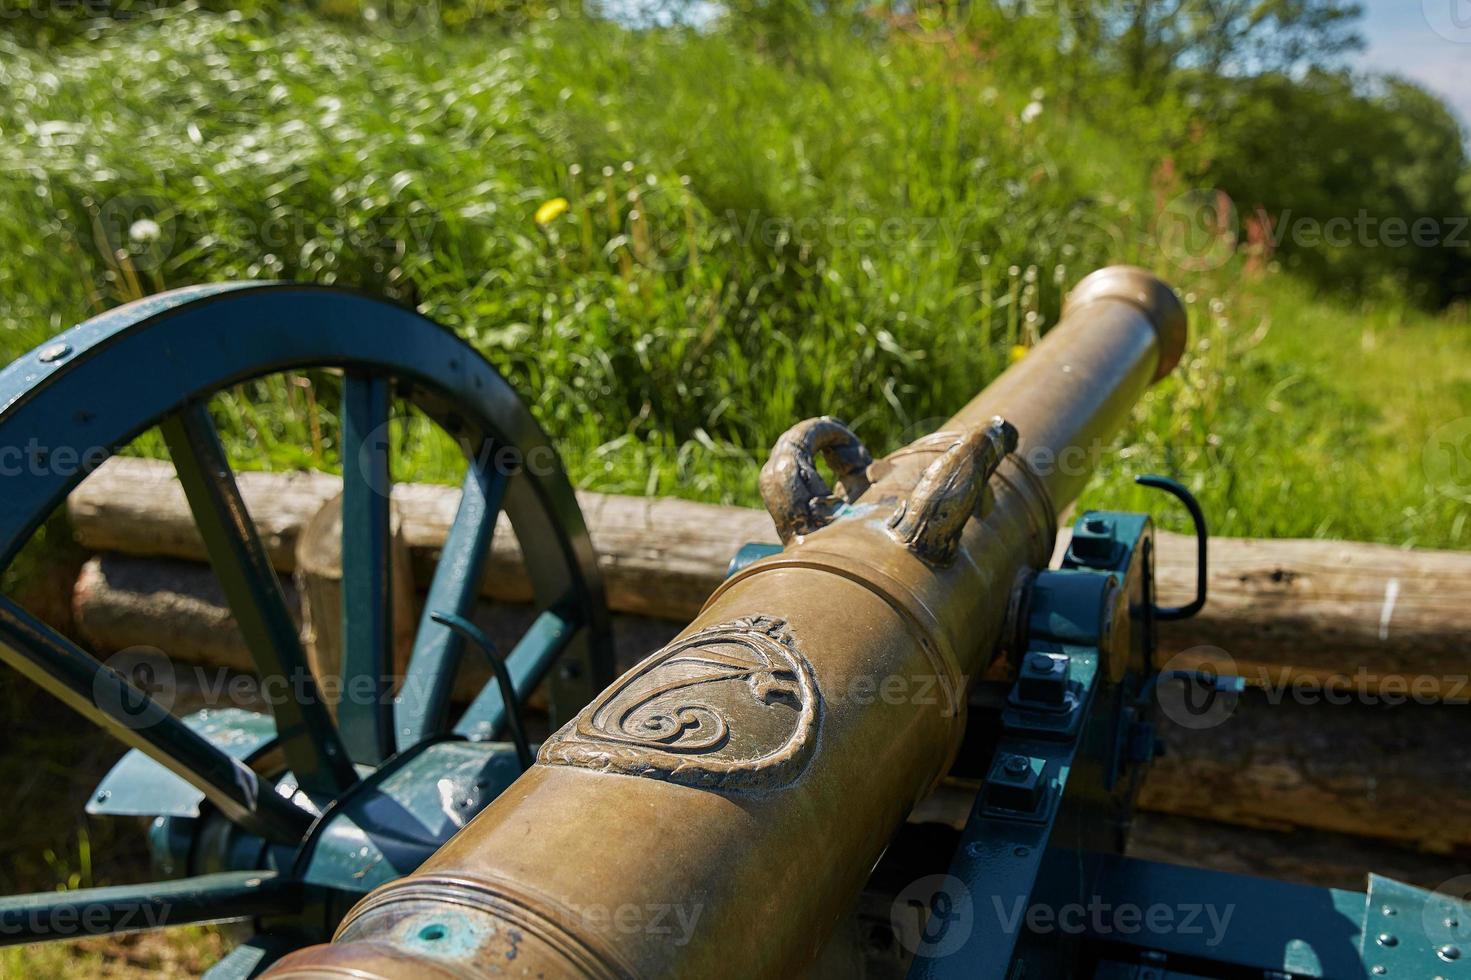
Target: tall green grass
(851, 228)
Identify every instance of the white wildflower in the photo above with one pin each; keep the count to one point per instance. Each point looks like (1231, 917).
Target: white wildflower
(144, 230)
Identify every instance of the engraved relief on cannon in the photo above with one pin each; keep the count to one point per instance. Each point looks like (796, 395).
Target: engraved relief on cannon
(732, 706)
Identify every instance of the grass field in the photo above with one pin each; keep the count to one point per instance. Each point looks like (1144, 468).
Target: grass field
(865, 234)
(178, 953)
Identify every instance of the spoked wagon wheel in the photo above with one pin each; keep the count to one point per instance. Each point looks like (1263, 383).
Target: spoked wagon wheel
(287, 818)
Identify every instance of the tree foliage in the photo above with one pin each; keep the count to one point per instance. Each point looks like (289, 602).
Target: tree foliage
(1330, 170)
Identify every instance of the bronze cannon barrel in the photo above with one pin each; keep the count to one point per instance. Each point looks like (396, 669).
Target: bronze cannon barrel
(717, 810)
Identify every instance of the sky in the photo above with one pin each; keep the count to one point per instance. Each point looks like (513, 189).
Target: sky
(1428, 41)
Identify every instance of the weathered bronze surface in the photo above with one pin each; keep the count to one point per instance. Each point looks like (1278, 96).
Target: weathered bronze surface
(795, 493)
(716, 811)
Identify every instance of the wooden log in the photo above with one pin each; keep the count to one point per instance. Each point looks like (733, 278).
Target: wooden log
(318, 579)
(173, 606)
(1393, 772)
(1320, 611)
(1364, 617)
(122, 602)
(1280, 761)
(1327, 789)
(137, 507)
(1309, 857)
(660, 556)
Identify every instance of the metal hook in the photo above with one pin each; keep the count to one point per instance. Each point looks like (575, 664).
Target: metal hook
(1197, 517)
(473, 634)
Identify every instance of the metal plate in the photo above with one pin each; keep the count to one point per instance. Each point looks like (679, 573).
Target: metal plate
(1240, 922)
(139, 787)
(402, 814)
(1414, 933)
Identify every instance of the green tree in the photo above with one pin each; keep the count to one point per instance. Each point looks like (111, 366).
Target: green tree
(1156, 38)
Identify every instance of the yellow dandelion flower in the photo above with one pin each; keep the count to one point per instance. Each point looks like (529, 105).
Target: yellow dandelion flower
(1017, 353)
(551, 210)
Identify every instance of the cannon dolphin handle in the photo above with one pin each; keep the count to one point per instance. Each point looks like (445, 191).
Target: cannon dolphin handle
(717, 810)
(799, 500)
(950, 492)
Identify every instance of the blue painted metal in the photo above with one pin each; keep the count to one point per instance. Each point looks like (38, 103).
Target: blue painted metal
(1043, 840)
(314, 752)
(131, 908)
(1202, 536)
(404, 812)
(106, 699)
(365, 711)
(1115, 970)
(1065, 720)
(1124, 535)
(139, 363)
(475, 635)
(254, 956)
(527, 663)
(750, 553)
(1411, 932)
(1049, 806)
(1230, 924)
(423, 702)
(1070, 605)
(171, 844)
(1000, 857)
(137, 786)
(156, 362)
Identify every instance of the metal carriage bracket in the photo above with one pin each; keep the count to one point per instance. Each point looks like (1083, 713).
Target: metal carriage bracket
(1060, 783)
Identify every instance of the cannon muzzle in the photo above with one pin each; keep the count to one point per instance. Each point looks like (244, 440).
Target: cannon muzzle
(717, 810)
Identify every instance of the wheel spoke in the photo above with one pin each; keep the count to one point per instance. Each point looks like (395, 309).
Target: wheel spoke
(365, 713)
(528, 663)
(313, 749)
(130, 908)
(423, 703)
(105, 697)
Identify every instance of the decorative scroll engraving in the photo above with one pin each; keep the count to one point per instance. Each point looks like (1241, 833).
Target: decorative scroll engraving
(729, 706)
